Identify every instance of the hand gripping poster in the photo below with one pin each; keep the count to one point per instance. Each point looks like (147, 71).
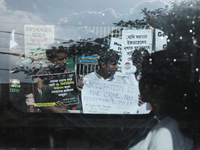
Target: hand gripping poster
(50, 88)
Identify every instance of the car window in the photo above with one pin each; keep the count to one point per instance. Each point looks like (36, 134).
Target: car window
(136, 60)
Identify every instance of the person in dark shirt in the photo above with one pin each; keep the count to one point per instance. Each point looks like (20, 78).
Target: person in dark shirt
(57, 55)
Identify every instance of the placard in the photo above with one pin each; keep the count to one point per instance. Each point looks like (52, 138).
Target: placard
(131, 40)
(50, 88)
(104, 97)
(37, 39)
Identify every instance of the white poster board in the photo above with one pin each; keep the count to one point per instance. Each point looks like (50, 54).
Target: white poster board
(161, 40)
(37, 38)
(104, 97)
(131, 40)
(116, 44)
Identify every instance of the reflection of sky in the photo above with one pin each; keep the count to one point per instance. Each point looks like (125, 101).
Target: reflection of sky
(65, 13)
(71, 18)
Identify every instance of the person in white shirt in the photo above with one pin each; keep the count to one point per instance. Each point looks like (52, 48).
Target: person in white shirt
(162, 85)
(108, 66)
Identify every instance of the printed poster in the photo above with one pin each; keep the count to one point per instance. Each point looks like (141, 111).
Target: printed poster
(50, 88)
(131, 40)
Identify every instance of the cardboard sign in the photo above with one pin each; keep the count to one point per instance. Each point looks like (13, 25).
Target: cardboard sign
(131, 40)
(37, 38)
(104, 97)
(116, 44)
(50, 88)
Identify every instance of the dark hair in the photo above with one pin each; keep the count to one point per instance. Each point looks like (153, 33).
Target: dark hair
(137, 55)
(110, 56)
(54, 49)
(175, 78)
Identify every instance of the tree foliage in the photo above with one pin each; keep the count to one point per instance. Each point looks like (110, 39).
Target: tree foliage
(179, 21)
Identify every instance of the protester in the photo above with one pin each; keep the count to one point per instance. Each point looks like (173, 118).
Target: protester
(137, 59)
(108, 67)
(133, 79)
(162, 85)
(57, 55)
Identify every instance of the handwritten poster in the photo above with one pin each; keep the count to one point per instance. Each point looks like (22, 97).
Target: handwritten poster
(116, 44)
(103, 97)
(50, 88)
(37, 38)
(131, 40)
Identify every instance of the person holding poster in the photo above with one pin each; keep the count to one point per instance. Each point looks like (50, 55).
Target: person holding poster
(137, 59)
(108, 67)
(132, 79)
(57, 56)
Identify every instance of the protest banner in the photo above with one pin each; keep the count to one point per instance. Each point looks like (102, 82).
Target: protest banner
(50, 88)
(116, 44)
(161, 40)
(37, 38)
(131, 40)
(103, 97)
